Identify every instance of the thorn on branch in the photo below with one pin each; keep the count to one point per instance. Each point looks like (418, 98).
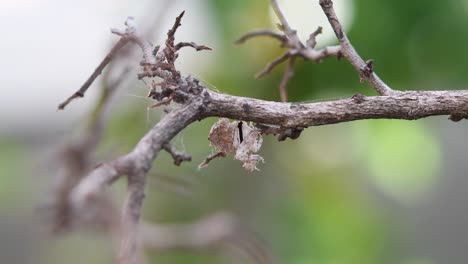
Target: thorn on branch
(205, 163)
(358, 98)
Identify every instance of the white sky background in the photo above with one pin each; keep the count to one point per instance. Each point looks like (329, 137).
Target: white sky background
(48, 48)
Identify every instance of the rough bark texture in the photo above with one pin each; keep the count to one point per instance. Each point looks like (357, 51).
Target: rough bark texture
(409, 105)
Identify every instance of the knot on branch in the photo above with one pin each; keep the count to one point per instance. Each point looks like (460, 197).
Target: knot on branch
(367, 71)
(282, 132)
(358, 98)
(457, 117)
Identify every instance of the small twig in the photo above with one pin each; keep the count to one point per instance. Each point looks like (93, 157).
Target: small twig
(193, 45)
(288, 74)
(270, 66)
(166, 101)
(178, 156)
(260, 33)
(170, 50)
(351, 54)
(284, 23)
(220, 154)
(81, 92)
(312, 41)
(131, 33)
(177, 24)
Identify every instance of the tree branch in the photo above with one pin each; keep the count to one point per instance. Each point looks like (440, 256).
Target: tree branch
(366, 73)
(409, 105)
(136, 165)
(81, 92)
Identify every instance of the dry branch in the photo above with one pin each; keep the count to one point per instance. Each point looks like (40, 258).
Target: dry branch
(408, 105)
(351, 54)
(296, 49)
(196, 102)
(81, 92)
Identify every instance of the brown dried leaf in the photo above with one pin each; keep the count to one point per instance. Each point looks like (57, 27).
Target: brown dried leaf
(226, 137)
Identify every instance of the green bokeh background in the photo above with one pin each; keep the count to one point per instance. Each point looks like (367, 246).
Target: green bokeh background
(345, 193)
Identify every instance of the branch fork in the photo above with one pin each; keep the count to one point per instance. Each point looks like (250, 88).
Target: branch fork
(296, 49)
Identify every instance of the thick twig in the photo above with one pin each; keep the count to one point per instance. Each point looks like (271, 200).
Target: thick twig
(408, 105)
(351, 54)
